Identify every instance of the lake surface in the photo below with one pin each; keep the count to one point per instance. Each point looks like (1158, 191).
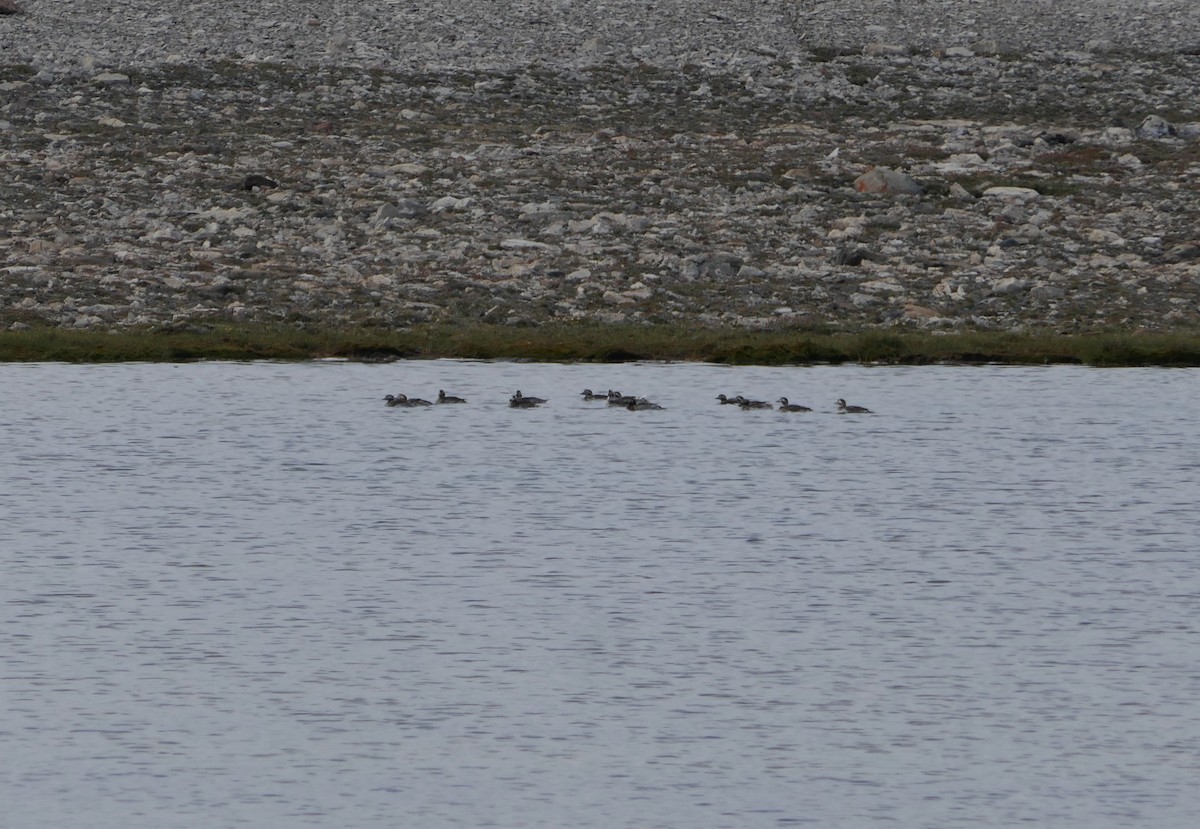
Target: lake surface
(250, 594)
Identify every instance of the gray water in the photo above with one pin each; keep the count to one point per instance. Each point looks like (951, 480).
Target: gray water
(253, 595)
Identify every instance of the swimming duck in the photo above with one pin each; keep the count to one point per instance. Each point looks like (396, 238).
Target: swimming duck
(520, 401)
(449, 398)
(588, 394)
(844, 409)
(404, 400)
(725, 401)
(785, 406)
(753, 404)
(641, 404)
(615, 398)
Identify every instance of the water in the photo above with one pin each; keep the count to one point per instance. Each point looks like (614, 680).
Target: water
(251, 594)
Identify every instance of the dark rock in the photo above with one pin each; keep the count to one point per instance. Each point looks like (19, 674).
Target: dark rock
(849, 257)
(255, 180)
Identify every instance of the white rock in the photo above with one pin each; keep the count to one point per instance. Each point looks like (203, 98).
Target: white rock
(450, 203)
(1008, 285)
(164, 234)
(1011, 193)
(525, 244)
(962, 163)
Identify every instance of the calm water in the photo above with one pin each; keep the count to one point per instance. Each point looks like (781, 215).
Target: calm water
(251, 594)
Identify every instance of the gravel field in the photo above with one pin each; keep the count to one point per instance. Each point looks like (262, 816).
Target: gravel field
(850, 165)
(473, 34)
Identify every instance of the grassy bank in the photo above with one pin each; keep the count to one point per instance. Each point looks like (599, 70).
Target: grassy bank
(587, 343)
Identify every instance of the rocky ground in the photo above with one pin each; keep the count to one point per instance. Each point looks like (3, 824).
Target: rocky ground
(673, 162)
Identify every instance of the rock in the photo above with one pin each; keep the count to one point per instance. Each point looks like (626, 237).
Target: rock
(889, 182)
(991, 48)
(450, 203)
(849, 257)
(1046, 293)
(1189, 131)
(962, 163)
(1019, 194)
(111, 78)
(1154, 126)
(913, 311)
(1008, 285)
(1185, 252)
(1099, 236)
(525, 244)
(255, 180)
(386, 216)
(639, 291)
(9, 7)
(886, 50)
(719, 265)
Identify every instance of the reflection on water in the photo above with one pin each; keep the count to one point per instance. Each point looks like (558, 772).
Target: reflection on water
(252, 594)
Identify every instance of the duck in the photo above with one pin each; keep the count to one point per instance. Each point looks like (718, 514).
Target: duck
(785, 406)
(449, 398)
(520, 401)
(642, 404)
(588, 394)
(844, 409)
(615, 398)
(726, 401)
(404, 400)
(753, 404)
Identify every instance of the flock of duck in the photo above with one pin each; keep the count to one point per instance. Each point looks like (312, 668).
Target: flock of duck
(785, 406)
(615, 398)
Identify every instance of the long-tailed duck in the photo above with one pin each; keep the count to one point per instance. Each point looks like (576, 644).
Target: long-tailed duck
(844, 409)
(404, 400)
(520, 401)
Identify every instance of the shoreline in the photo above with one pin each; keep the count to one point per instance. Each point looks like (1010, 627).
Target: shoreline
(600, 344)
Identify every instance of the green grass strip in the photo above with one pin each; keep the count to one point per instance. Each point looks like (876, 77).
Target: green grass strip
(596, 343)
